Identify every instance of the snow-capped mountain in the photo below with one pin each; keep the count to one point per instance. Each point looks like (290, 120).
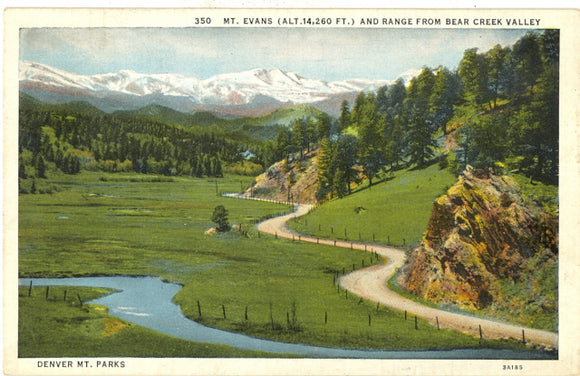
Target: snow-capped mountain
(252, 90)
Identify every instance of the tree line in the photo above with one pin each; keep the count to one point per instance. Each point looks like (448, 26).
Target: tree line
(60, 137)
(498, 109)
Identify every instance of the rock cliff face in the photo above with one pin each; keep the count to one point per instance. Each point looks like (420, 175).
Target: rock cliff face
(295, 181)
(487, 248)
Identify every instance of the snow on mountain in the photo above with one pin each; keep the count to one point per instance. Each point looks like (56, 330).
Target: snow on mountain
(407, 76)
(231, 89)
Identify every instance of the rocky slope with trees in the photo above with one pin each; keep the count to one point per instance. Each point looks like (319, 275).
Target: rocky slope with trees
(486, 248)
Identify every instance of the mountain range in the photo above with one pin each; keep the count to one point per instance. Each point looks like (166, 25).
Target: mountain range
(248, 93)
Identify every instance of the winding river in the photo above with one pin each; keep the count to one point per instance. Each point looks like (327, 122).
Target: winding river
(147, 301)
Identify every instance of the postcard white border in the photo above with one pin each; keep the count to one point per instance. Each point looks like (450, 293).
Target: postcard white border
(569, 263)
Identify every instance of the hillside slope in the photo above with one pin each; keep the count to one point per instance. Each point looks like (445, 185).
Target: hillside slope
(488, 249)
(295, 181)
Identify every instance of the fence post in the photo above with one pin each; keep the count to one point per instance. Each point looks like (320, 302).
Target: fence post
(224, 311)
(523, 337)
(246, 313)
(437, 319)
(405, 315)
(199, 308)
(480, 333)
(30, 289)
(80, 300)
(416, 327)
(369, 319)
(47, 288)
(325, 318)
(64, 297)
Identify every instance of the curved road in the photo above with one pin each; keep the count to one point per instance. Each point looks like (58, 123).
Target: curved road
(370, 283)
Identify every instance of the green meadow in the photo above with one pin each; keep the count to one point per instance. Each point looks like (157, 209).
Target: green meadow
(394, 211)
(99, 224)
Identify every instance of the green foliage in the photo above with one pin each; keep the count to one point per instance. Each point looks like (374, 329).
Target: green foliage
(247, 168)
(72, 137)
(523, 131)
(220, 218)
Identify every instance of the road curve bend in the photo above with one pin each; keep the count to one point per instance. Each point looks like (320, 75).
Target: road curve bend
(370, 283)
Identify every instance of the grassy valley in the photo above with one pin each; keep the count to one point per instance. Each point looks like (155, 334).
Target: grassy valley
(116, 224)
(135, 193)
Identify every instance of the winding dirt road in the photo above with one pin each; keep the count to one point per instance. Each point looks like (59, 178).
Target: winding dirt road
(370, 283)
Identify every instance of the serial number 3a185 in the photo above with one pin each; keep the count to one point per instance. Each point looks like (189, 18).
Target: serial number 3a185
(512, 367)
(202, 20)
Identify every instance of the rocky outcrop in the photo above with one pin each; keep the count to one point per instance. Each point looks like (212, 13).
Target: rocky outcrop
(486, 247)
(295, 181)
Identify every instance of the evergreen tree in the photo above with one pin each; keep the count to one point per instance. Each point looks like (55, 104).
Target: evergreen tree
(40, 165)
(528, 63)
(21, 168)
(443, 97)
(326, 169)
(345, 163)
(420, 128)
(370, 143)
(323, 125)
(220, 218)
(395, 97)
(473, 75)
(499, 72)
(344, 117)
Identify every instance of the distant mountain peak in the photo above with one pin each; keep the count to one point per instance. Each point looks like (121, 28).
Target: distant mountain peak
(248, 90)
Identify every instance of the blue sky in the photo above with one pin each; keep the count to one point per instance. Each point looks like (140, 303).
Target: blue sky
(328, 54)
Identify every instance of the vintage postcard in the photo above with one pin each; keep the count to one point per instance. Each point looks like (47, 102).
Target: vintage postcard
(290, 192)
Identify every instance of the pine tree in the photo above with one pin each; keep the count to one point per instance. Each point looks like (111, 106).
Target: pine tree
(344, 117)
(220, 218)
(473, 75)
(420, 128)
(40, 165)
(325, 169)
(499, 74)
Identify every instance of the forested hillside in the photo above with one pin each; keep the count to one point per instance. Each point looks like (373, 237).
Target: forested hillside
(498, 109)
